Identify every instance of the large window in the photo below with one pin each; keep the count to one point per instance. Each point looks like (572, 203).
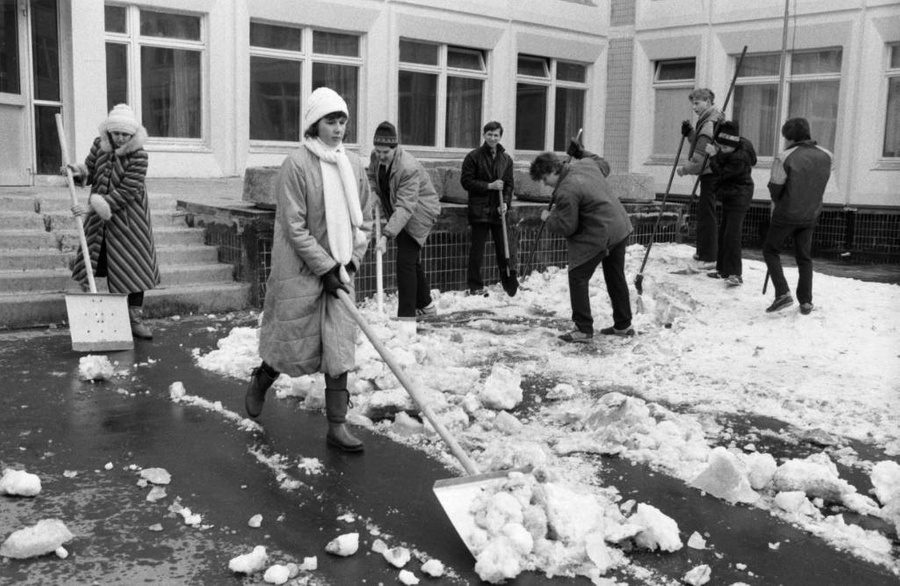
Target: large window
(545, 86)
(285, 59)
(811, 88)
(441, 95)
(155, 63)
(892, 120)
(673, 81)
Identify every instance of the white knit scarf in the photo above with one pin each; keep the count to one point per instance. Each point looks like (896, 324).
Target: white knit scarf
(343, 214)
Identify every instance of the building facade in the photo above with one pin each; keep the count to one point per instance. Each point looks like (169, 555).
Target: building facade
(221, 85)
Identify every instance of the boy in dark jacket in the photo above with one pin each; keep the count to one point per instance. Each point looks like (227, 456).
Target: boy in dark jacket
(731, 159)
(797, 186)
(487, 176)
(596, 228)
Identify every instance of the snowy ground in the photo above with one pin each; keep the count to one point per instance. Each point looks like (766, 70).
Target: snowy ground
(705, 355)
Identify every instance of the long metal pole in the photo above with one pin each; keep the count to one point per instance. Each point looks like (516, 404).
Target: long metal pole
(780, 100)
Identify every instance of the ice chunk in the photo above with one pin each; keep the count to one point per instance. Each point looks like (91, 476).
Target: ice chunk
(433, 568)
(61, 552)
(698, 575)
(19, 483)
(816, 475)
(795, 501)
(696, 541)
(407, 577)
(726, 477)
(277, 574)
(498, 561)
(659, 530)
(570, 515)
(397, 556)
(507, 423)
(95, 367)
(310, 564)
(886, 480)
(249, 563)
(343, 545)
(45, 536)
(156, 475)
(156, 493)
(598, 552)
(761, 469)
(176, 391)
(405, 425)
(502, 389)
(255, 521)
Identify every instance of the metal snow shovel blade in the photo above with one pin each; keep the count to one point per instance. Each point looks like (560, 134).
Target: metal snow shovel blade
(510, 280)
(456, 494)
(98, 322)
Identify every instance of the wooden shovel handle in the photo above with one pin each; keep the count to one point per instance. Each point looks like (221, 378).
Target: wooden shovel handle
(411, 388)
(63, 147)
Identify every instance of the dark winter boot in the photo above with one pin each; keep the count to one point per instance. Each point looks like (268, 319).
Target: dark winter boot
(138, 329)
(260, 381)
(336, 403)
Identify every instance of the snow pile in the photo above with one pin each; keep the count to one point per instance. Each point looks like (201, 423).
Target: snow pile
(95, 367)
(158, 476)
(524, 524)
(45, 536)
(726, 477)
(19, 483)
(886, 480)
(816, 476)
(502, 389)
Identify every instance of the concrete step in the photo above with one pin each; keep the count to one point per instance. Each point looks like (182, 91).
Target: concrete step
(29, 239)
(39, 259)
(63, 220)
(162, 236)
(48, 259)
(43, 309)
(27, 220)
(17, 203)
(61, 202)
(59, 280)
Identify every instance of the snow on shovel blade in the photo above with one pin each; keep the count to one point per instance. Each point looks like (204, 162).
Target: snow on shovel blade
(99, 322)
(457, 494)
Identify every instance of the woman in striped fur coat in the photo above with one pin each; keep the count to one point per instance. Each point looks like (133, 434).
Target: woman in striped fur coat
(117, 217)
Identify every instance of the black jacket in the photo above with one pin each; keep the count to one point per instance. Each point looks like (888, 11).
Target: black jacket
(733, 173)
(479, 169)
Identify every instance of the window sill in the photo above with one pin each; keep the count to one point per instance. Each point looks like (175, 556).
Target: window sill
(887, 165)
(177, 147)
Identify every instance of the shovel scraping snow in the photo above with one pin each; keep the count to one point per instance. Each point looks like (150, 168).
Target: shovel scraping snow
(98, 322)
(455, 494)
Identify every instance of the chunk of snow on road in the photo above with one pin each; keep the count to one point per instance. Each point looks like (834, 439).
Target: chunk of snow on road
(94, 367)
(45, 536)
(343, 545)
(249, 563)
(19, 483)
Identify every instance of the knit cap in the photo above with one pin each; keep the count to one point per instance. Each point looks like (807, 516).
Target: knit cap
(322, 102)
(385, 135)
(121, 119)
(728, 134)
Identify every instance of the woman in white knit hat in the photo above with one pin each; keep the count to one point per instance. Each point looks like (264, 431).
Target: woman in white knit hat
(117, 216)
(323, 221)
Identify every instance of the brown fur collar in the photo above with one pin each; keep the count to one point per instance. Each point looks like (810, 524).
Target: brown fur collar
(135, 144)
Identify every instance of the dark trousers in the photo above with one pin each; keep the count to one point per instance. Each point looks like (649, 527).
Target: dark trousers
(729, 261)
(480, 233)
(775, 238)
(707, 225)
(616, 287)
(413, 291)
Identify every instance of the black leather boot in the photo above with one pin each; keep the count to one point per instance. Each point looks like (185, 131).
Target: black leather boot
(138, 329)
(337, 402)
(260, 381)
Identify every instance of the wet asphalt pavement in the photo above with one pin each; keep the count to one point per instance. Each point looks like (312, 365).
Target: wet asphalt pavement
(53, 424)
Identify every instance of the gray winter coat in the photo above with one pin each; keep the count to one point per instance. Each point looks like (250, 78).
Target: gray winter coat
(413, 199)
(305, 330)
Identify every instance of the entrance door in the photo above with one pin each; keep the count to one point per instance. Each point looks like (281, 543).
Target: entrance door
(15, 121)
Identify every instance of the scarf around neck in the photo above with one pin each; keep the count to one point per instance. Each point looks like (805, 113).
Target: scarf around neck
(343, 214)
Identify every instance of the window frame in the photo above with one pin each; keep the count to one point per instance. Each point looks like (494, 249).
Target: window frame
(134, 41)
(443, 71)
(686, 85)
(892, 50)
(785, 89)
(305, 59)
(551, 82)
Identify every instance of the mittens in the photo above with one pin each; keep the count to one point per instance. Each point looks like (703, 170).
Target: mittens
(686, 128)
(99, 205)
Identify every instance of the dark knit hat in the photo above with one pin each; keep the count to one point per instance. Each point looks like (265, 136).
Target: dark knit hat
(729, 134)
(385, 135)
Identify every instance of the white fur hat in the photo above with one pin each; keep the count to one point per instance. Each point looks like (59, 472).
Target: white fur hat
(323, 101)
(121, 119)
